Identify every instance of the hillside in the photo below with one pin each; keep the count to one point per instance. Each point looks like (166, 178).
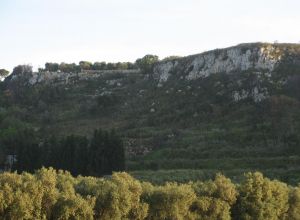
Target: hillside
(232, 109)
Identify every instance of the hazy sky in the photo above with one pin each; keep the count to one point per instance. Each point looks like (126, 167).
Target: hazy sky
(37, 31)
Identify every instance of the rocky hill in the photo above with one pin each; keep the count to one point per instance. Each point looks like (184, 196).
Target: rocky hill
(232, 109)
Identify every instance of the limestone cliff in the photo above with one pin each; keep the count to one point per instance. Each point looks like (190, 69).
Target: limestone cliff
(259, 59)
(255, 57)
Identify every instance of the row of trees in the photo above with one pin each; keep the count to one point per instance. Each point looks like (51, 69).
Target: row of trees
(100, 155)
(85, 65)
(50, 194)
(144, 63)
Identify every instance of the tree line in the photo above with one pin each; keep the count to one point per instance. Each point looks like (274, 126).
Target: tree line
(86, 65)
(51, 194)
(145, 64)
(98, 156)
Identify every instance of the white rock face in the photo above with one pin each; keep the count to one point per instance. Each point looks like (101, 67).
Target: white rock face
(223, 61)
(231, 60)
(240, 95)
(266, 59)
(256, 94)
(163, 70)
(259, 95)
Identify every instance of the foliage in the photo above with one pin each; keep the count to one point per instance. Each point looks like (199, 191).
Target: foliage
(69, 67)
(106, 153)
(51, 194)
(119, 198)
(73, 207)
(261, 198)
(214, 198)
(294, 202)
(51, 67)
(3, 72)
(101, 155)
(171, 201)
(146, 63)
(22, 69)
(85, 65)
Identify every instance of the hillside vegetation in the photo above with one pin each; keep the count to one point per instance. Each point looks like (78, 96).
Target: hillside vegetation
(232, 110)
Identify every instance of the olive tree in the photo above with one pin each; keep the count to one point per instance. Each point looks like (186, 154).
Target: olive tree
(261, 198)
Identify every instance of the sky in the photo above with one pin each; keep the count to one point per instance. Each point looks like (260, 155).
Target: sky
(38, 31)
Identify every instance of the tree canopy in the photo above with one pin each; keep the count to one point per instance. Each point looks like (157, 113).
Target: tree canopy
(100, 155)
(147, 62)
(3, 73)
(51, 194)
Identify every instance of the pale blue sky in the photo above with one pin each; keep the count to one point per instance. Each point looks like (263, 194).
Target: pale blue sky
(37, 31)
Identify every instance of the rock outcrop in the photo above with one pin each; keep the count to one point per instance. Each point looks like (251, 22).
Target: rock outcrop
(243, 57)
(260, 59)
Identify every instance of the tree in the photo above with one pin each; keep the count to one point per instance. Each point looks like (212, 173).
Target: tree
(146, 63)
(28, 151)
(116, 152)
(171, 201)
(110, 66)
(48, 180)
(121, 66)
(73, 153)
(102, 155)
(294, 202)
(261, 198)
(22, 70)
(51, 67)
(85, 65)
(96, 154)
(106, 153)
(131, 65)
(73, 207)
(99, 66)
(3, 73)
(119, 198)
(214, 198)
(69, 68)
(68, 153)
(20, 196)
